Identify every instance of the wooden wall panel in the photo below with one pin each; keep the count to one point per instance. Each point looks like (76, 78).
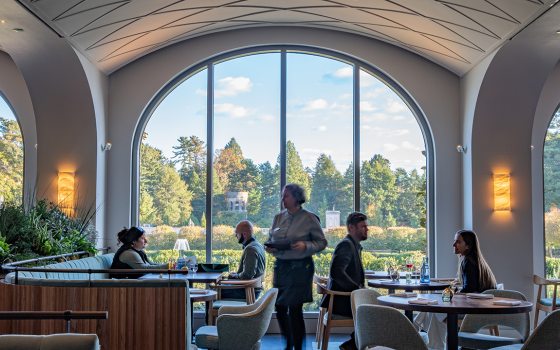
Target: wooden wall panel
(140, 318)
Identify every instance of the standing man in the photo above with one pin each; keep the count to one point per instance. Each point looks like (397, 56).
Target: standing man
(347, 271)
(252, 262)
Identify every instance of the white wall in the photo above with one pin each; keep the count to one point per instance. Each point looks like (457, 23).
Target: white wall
(548, 104)
(132, 88)
(99, 87)
(14, 89)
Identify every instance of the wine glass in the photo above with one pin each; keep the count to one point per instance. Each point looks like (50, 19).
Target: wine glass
(409, 266)
(194, 267)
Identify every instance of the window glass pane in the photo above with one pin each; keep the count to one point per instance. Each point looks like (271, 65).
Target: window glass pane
(247, 145)
(392, 173)
(320, 147)
(173, 172)
(552, 198)
(11, 156)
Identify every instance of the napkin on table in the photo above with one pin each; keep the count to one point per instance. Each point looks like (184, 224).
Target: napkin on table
(423, 301)
(480, 296)
(507, 302)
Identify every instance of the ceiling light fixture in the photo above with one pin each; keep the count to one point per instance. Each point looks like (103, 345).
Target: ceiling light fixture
(19, 30)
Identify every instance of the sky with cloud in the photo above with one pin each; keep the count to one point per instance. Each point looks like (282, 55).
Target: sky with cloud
(319, 112)
(5, 110)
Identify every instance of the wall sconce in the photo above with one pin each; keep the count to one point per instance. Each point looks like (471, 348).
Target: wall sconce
(66, 192)
(461, 149)
(502, 192)
(106, 147)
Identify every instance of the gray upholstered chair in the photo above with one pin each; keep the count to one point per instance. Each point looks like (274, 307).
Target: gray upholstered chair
(239, 327)
(378, 325)
(67, 341)
(363, 297)
(471, 339)
(545, 337)
(248, 285)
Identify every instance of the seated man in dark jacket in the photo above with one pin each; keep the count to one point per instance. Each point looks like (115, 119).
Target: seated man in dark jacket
(347, 271)
(252, 262)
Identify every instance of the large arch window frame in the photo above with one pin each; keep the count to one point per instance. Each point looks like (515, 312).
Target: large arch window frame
(24, 170)
(357, 65)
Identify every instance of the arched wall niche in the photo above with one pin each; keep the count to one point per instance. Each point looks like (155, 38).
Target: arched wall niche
(134, 86)
(62, 103)
(16, 93)
(501, 142)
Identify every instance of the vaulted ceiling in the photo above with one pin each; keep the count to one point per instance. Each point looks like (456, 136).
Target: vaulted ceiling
(455, 34)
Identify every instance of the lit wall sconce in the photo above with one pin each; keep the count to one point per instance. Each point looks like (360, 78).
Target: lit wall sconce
(106, 147)
(66, 189)
(461, 149)
(502, 192)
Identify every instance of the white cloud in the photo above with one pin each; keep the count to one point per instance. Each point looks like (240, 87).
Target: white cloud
(394, 106)
(200, 92)
(409, 145)
(266, 117)
(390, 147)
(374, 117)
(366, 106)
(321, 128)
(344, 72)
(231, 86)
(316, 104)
(231, 110)
(375, 93)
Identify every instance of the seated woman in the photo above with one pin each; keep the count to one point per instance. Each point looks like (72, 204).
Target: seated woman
(475, 276)
(131, 254)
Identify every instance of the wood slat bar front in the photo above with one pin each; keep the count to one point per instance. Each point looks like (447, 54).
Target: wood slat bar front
(140, 318)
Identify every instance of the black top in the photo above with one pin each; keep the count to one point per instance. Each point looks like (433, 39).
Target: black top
(346, 274)
(470, 276)
(118, 264)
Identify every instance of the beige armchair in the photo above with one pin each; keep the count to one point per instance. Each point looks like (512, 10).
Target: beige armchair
(49, 342)
(239, 327)
(248, 285)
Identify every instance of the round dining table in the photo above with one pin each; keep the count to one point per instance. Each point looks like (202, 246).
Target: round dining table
(460, 304)
(401, 284)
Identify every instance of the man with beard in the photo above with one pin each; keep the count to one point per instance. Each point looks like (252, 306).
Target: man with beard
(347, 271)
(252, 262)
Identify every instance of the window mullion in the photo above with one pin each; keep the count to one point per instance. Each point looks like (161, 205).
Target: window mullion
(209, 158)
(283, 108)
(356, 131)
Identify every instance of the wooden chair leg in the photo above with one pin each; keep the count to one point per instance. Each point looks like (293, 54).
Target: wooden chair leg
(536, 322)
(319, 329)
(326, 335)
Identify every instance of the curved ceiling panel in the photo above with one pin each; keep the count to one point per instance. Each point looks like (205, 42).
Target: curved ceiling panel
(455, 34)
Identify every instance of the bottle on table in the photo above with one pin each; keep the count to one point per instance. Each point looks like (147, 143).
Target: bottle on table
(425, 271)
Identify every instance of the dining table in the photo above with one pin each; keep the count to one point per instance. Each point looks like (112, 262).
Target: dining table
(402, 284)
(196, 277)
(459, 304)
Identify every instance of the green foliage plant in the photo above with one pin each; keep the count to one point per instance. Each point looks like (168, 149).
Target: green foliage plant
(43, 229)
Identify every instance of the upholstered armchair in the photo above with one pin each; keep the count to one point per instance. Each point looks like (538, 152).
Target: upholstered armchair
(49, 342)
(239, 327)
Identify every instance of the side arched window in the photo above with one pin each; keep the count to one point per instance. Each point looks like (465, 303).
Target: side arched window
(11, 155)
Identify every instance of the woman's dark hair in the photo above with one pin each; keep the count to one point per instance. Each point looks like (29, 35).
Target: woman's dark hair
(128, 235)
(486, 277)
(297, 192)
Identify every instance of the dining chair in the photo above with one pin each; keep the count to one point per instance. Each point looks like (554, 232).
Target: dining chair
(469, 338)
(330, 320)
(362, 297)
(248, 285)
(320, 285)
(545, 337)
(385, 326)
(239, 327)
(542, 303)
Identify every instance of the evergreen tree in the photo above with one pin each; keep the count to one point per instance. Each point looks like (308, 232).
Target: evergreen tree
(295, 171)
(378, 191)
(327, 187)
(11, 161)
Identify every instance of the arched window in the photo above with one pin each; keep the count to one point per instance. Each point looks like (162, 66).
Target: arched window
(11, 155)
(257, 119)
(551, 174)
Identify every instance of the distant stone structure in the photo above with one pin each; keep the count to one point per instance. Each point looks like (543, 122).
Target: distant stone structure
(237, 201)
(332, 218)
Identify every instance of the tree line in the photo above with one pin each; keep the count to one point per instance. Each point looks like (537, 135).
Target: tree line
(173, 190)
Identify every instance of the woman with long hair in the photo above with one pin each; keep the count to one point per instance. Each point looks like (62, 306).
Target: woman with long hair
(474, 274)
(131, 254)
